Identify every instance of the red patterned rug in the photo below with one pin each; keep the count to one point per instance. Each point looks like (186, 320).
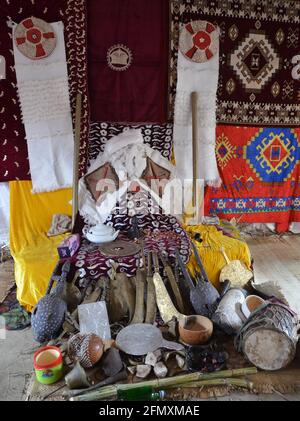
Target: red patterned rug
(260, 168)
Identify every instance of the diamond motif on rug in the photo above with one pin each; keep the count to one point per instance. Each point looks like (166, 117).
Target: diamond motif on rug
(225, 151)
(273, 154)
(255, 61)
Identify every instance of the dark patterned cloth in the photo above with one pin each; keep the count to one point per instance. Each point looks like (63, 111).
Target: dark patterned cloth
(75, 20)
(135, 203)
(16, 318)
(259, 42)
(162, 233)
(13, 147)
(159, 137)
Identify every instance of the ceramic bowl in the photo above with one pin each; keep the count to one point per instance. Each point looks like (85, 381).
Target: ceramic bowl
(101, 234)
(195, 330)
(251, 303)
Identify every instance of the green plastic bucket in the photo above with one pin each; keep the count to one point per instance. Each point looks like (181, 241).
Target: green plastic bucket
(48, 364)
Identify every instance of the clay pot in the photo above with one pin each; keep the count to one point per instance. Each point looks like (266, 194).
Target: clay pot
(86, 348)
(195, 330)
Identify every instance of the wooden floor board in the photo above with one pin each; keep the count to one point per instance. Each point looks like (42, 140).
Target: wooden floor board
(277, 260)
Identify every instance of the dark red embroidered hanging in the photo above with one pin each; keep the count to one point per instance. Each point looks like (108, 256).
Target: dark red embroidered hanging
(128, 60)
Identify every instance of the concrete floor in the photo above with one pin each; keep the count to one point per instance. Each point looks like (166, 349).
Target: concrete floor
(16, 366)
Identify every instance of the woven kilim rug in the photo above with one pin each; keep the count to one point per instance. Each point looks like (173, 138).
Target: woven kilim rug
(259, 58)
(261, 175)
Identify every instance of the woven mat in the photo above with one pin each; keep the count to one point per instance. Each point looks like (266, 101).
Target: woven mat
(36, 391)
(285, 381)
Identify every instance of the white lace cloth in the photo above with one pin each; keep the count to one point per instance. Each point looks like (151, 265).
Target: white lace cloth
(44, 99)
(203, 79)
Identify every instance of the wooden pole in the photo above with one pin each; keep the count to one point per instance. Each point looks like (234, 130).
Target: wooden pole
(194, 149)
(76, 156)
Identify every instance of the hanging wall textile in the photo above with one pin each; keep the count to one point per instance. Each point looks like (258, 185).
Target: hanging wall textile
(158, 137)
(75, 21)
(260, 168)
(128, 60)
(44, 99)
(197, 71)
(259, 43)
(14, 163)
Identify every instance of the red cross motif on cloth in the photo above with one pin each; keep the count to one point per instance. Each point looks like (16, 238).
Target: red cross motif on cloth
(199, 41)
(35, 38)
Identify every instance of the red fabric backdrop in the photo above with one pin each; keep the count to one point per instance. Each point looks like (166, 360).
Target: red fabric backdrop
(138, 93)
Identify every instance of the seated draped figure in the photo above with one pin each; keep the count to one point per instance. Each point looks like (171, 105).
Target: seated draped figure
(126, 165)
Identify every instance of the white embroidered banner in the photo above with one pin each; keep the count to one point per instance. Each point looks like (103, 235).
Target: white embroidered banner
(200, 77)
(44, 99)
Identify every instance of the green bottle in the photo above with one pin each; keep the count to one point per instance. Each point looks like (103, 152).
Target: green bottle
(143, 393)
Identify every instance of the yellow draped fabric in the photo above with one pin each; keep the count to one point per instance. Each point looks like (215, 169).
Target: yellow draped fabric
(34, 253)
(210, 250)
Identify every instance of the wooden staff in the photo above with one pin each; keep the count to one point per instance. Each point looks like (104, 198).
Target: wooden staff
(194, 149)
(76, 156)
(140, 279)
(151, 298)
